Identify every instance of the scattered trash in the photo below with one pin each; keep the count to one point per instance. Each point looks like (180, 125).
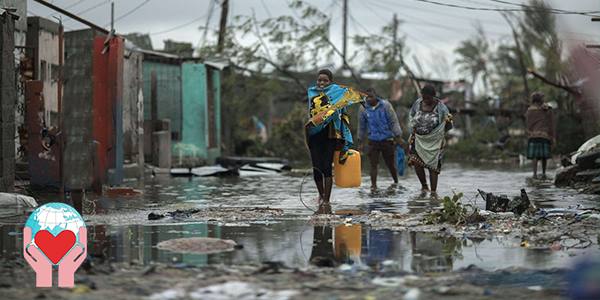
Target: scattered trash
(8, 200)
(412, 294)
(197, 245)
(388, 281)
(518, 205)
(206, 171)
(154, 216)
(239, 290)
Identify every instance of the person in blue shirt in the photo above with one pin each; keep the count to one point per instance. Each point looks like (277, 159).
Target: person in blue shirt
(379, 124)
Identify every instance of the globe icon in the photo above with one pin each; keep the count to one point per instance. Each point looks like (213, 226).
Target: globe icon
(55, 218)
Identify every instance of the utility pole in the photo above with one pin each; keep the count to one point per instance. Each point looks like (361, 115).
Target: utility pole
(223, 25)
(345, 29)
(112, 16)
(594, 46)
(395, 38)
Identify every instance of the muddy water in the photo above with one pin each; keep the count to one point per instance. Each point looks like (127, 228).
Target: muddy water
(296, 243)
(290, 191)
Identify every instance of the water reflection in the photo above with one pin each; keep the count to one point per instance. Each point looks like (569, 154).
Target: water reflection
(297, 244)
(359, 245)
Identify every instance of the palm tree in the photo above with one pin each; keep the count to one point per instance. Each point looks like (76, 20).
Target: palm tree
(474, 56)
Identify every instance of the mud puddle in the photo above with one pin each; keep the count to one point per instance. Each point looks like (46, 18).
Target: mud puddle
(297, 243)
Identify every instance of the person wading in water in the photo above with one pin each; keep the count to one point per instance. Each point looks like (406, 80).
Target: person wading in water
(327, 131)
(540, 132)
(379, 124)
(429, 120)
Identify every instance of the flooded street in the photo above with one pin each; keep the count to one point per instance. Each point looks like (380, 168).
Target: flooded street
(288, 191)
(121, 233)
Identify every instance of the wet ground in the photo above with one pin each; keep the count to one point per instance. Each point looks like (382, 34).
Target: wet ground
(120, 232)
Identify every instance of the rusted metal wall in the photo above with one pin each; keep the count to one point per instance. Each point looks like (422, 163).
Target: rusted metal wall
(108, 109)
(7, 102)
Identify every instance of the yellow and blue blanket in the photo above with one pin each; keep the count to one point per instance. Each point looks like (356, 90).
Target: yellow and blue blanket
(329, 105)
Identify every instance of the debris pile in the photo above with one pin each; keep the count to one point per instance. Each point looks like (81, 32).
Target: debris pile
(517, 205)
(582, 171)
(220, 214)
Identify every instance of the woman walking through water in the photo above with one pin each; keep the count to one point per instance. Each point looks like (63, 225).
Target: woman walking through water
(328, 130)
(540, 132)
(429, 120)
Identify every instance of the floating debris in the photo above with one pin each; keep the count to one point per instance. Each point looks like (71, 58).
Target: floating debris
(197, 245)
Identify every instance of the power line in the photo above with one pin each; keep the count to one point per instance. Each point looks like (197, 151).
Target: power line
(89, 9)
(179, 26)
(426, 45)
(437, 12)
(121, 17)
(502, 9)
(423, 22)
(93, 7)
(266, 8)
(211, 6)
(554, 10)
(67, 7)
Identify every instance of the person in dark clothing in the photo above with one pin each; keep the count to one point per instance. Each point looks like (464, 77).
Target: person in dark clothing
(379, 124)
(327, 131)
(540, 132)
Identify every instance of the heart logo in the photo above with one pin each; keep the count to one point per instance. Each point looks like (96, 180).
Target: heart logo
(55, 247)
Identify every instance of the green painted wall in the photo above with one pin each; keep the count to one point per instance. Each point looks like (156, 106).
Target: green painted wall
(194, 139)
(182, 97)
(168, 79)
(213, 153)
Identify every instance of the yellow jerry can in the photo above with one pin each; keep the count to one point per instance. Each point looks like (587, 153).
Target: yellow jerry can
(347, 175)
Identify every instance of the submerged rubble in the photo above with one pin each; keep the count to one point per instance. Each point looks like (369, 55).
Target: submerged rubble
(254, 281)
(197, 245)
(219, 214)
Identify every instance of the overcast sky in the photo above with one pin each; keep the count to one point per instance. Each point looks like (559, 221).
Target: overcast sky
(432, 32)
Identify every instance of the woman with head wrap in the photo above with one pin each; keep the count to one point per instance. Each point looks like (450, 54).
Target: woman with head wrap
(429, 120)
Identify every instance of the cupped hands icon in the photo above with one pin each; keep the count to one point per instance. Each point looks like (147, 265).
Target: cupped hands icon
(53, 251)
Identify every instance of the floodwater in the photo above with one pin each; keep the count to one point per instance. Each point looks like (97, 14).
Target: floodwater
(295, 242)
(293, 192)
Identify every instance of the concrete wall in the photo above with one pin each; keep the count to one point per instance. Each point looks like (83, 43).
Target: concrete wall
(79, 147)
(43, 48)
(7, 103)
(19, 41)
(133, 110)
(21, 23)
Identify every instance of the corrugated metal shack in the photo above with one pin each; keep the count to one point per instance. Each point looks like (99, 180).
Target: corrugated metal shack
(188, 93)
